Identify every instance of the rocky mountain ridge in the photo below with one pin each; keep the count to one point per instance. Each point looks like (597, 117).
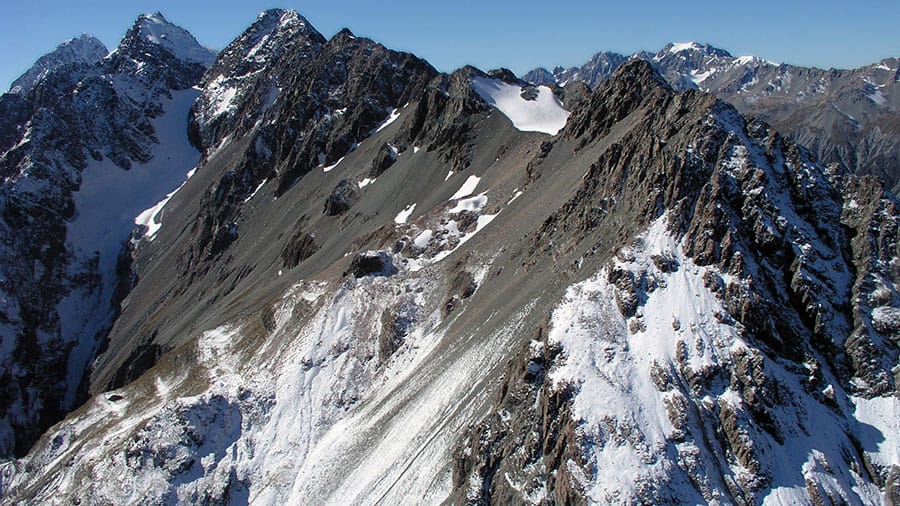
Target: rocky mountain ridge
(845, 116)
(380, 283)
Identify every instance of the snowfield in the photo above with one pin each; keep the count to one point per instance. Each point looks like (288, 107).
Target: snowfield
(543, 114)
(106, 218)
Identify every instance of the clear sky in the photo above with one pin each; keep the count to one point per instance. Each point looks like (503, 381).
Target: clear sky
(518, 34)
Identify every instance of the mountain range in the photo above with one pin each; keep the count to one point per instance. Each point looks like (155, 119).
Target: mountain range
(847, 117)
(316, 270)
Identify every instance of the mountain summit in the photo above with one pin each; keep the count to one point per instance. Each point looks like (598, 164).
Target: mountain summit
(81, 50)
(155, 30)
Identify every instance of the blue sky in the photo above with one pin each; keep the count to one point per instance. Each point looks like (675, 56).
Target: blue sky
(519, 35)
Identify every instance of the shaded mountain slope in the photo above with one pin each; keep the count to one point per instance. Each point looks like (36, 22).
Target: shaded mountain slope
(99, 140)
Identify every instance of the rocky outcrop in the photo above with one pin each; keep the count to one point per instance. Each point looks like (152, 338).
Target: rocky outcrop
(246, 79)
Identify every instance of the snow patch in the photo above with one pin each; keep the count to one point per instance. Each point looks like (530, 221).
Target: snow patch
(483, 221)
(882, 415)
(698, 77)
(543, 114)
(149, 220)
(683, 46)
(393, 114)
(404, 215)
(332, 166)
(877, 97)
(422, 240)
(473, 204)
(223, 101)
(467, 188)
(255, 191)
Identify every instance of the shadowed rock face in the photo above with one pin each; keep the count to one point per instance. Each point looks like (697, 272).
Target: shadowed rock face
(75, 107)
(376, 288)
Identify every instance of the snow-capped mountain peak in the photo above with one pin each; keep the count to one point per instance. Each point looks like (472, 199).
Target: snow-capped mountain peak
(246, 64)
(80, 50)
(155, 29)
(284, 17)
(681, 47)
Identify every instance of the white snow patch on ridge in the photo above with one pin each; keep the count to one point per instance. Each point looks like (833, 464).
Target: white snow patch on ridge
(174, 39)
(472, 204)
(403, 215)
(148, 218)
(544, 114)
(683, 46)
(467, 188)
(332, 166)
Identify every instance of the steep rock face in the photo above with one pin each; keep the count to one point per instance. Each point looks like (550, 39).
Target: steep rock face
(246, 78)
(844, 116)
(85, 122)
(73, 57)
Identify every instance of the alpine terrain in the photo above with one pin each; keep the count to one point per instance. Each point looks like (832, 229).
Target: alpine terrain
(843, 116)
(310, 270)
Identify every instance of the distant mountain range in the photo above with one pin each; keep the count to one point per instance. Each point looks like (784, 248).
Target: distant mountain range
(845, 116)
